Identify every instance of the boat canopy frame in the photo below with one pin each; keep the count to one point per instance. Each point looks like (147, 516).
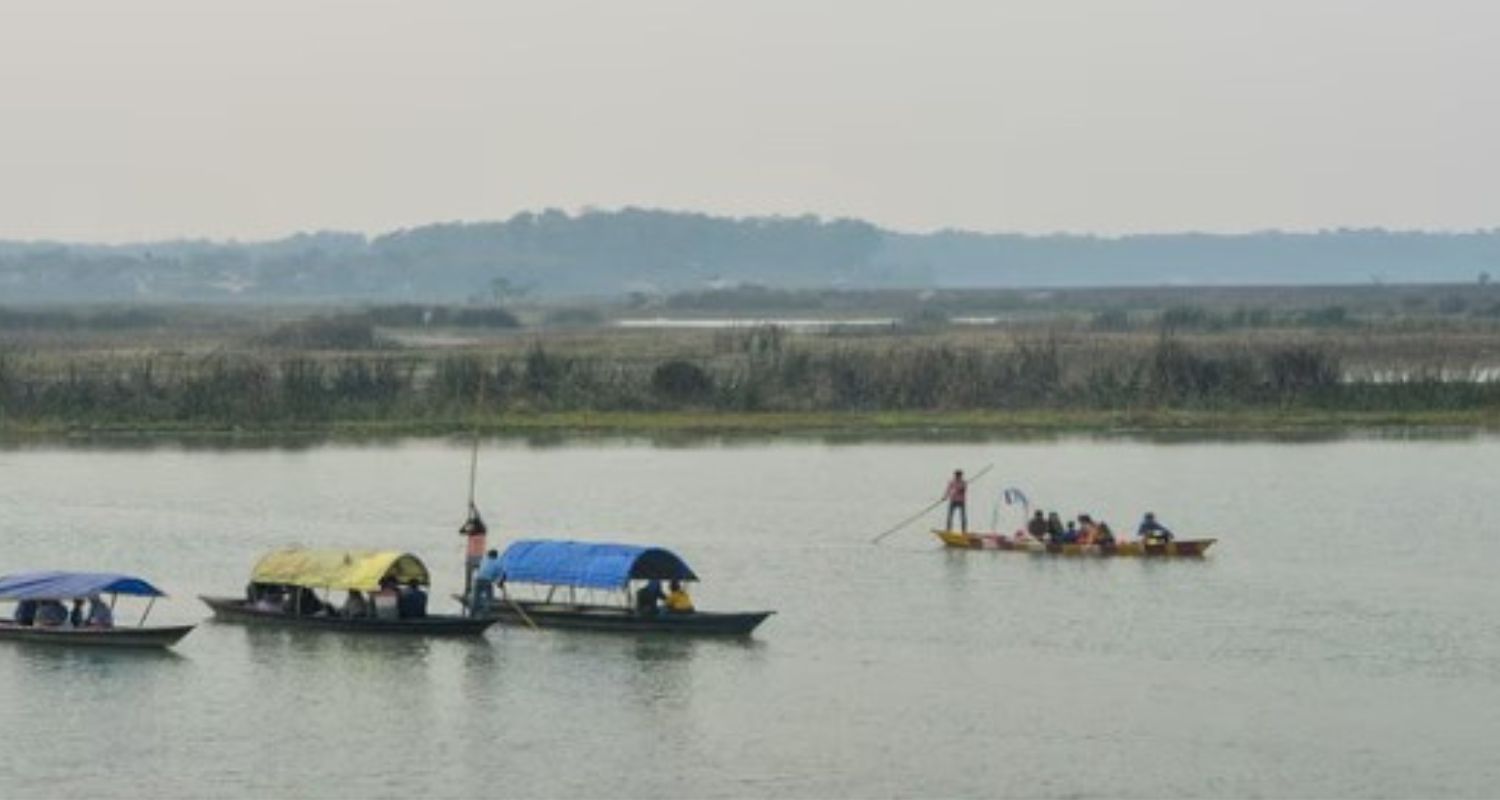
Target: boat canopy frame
(64, 585)
(589, 565)
(353, 570)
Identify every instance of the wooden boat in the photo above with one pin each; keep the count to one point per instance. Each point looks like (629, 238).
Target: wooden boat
(298, 572)
(237, 609)
(611, 570)
(154, 636)
(1178, 548)
(625, 620)
(63, 587)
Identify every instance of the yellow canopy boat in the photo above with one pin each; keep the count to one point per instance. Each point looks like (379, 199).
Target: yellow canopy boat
(349, 570)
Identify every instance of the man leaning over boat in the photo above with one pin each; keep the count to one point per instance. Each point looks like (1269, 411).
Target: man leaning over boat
(485, 578)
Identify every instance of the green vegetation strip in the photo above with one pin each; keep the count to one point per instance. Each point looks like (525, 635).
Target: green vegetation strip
(773, 423)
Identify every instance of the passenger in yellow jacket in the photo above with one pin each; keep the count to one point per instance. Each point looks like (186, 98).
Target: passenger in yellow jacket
(678, 601)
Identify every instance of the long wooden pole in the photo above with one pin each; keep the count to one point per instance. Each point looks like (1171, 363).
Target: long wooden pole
(526, 618)
(914, 517)
(469, 564)
(474, 447)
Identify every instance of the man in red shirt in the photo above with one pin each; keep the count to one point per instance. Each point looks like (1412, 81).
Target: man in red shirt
(957, 493)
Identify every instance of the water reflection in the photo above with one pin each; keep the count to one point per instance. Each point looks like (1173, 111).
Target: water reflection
(95, 660)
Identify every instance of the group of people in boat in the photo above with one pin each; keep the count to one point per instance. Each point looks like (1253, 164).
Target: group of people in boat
(390, 601)
(1049, 528)
(54, 614)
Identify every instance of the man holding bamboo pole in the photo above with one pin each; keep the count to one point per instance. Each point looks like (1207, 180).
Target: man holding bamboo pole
(956, 495)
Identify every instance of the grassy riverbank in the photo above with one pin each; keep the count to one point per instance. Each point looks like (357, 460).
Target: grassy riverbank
(338, 372)
(854, 424)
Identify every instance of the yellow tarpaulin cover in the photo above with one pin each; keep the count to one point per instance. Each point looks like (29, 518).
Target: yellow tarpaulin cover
(338, 569)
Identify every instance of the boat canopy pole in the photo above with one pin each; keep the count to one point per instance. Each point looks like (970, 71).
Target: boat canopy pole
(147, 613)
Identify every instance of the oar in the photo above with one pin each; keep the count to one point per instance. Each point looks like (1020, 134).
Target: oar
(524, 616)
(914, 517)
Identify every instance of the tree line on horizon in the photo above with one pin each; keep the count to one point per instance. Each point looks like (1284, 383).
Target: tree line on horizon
(614, 253)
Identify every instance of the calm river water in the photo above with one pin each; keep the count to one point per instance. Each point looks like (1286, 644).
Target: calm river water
(1340, 641)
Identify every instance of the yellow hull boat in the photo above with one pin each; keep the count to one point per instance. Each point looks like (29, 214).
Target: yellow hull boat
(1179, 548)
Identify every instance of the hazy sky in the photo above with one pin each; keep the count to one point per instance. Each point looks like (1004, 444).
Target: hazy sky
(158, 118)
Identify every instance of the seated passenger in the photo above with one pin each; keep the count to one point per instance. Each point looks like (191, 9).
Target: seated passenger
(387, 600)
(355, 605)
(1088, 531)
(648, 597)
(678, 601)
(304, 602)
(26, 613)
(1152, 530)
(268, 597)
(75, 617)
(1037, 526)
(1069, 535)
(413, 601)
(51, 614)
(100, 615)
(1053, 527)
(1103, 535)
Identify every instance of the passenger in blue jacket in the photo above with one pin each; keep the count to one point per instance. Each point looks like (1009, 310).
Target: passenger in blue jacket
(1151, 529)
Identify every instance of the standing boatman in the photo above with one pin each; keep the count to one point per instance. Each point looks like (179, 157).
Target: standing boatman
(475, 536)
(956, 495)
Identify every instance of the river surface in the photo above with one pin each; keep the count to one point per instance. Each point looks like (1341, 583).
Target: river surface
(1341, 640)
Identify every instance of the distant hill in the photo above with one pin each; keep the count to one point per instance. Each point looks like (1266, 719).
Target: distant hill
(1270, 258)
(552, 254)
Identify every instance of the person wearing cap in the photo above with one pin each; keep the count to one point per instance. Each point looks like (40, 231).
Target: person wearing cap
(1151, 529)
(956, 494)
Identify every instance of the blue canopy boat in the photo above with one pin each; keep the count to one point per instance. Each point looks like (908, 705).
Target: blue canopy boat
(561, 569)
(31, 590)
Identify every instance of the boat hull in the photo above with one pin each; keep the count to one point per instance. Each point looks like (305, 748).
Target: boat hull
(612, 619)
(234, 609)
(155, 636)
(1179, 548)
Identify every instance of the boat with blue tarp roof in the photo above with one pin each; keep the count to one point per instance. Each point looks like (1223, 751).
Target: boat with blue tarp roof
(42, 615)
(600, 586)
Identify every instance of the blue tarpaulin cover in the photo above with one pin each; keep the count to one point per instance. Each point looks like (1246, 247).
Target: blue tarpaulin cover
(68, 585)
(590, 565)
